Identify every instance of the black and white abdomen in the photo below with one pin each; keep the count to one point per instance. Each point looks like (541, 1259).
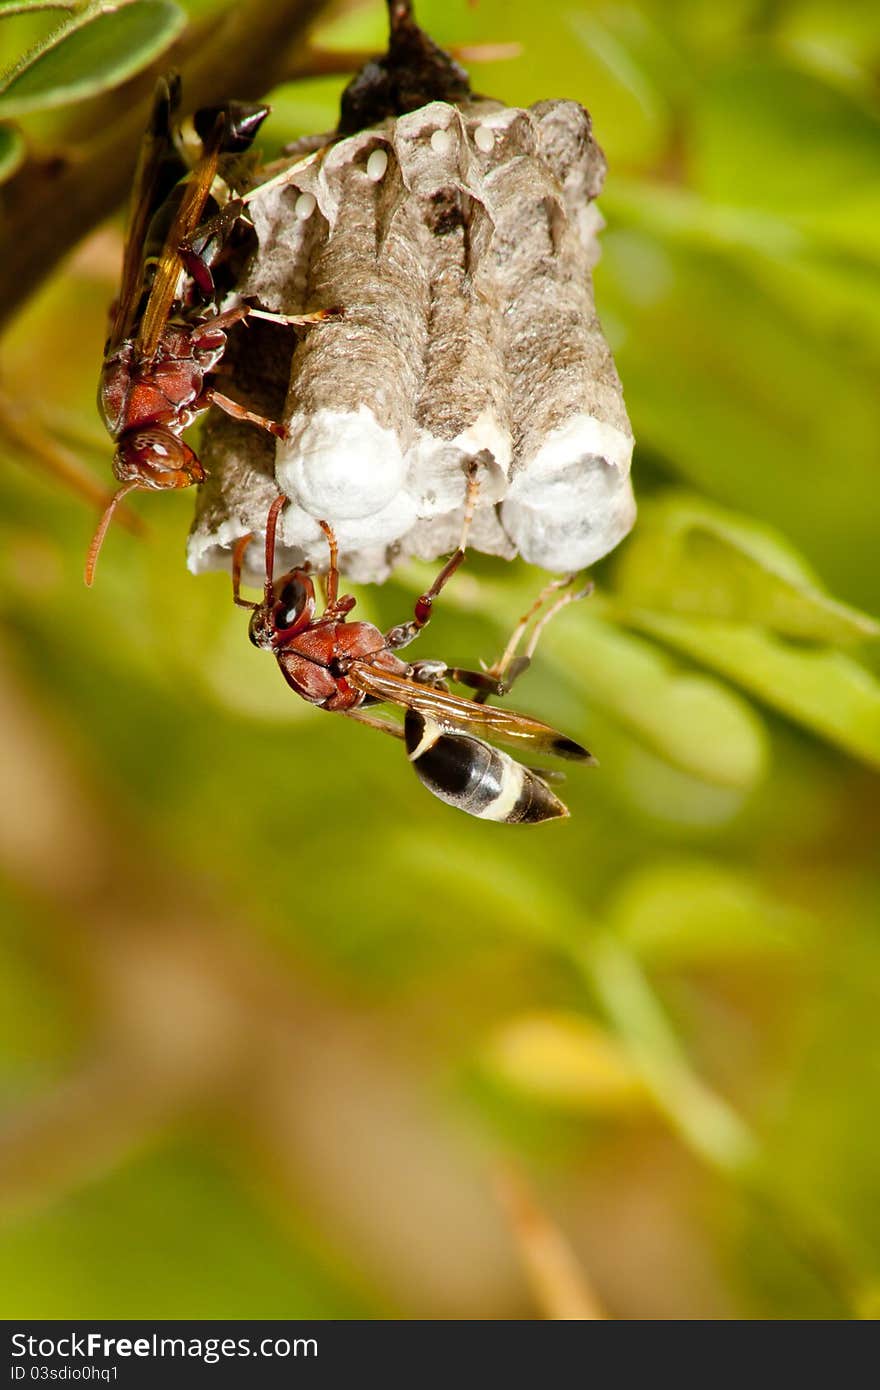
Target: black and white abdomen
(466, 772)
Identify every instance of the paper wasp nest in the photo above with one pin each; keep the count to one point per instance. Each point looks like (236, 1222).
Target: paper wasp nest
(459, 240)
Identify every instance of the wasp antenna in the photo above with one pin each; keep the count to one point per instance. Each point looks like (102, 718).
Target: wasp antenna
(101, 531)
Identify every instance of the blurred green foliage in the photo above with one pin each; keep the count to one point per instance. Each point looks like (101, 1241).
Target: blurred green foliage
(673, 993)
(92, 51)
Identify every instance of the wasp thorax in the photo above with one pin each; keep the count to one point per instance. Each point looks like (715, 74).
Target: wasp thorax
(157, 459)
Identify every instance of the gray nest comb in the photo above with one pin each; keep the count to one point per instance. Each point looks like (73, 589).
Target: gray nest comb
(459, 238)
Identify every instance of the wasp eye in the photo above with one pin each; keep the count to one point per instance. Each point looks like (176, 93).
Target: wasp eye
(297, 594)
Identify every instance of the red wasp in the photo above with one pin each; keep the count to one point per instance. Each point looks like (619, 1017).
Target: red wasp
(164, 342)
(344, 666)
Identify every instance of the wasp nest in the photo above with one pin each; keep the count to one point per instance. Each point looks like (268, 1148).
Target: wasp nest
(459, 239)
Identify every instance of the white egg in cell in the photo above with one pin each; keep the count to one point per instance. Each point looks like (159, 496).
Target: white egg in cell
(377, 165)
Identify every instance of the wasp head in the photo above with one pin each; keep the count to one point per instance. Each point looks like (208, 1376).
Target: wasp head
(156, 458)
(288, 610)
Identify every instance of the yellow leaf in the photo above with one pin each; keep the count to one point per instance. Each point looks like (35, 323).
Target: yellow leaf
(564, 1060)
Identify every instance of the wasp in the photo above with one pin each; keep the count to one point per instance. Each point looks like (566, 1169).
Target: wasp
(345, 667)
(166, 336)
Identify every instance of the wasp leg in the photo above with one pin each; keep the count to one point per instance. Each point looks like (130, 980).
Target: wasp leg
(372, 721)
(437, 673)
(220, 322)
(498, 678)
(334, 606)
(296, 320)
(490, 681)
(205, 246)
(288, 174)
(551, 775)
(239, 412)
(229, 317)
(402, 635)
(485, 683)
(510, 666)
(500, 666)
(195, 248)
(430, 673)
(561, 602)
(238, 554)
(196, 266)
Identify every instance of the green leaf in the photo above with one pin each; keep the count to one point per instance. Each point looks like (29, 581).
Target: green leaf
(691, 911)
(12, 151)
(184, 1212)
(90, 54)
(39, 1026)
(703, 1119)
(769, 136)
(767, 416)
(691, 557)
(689, 719)
(15, 7)
(822, 689)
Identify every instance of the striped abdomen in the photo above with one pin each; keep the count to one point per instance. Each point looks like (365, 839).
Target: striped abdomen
(465, 772)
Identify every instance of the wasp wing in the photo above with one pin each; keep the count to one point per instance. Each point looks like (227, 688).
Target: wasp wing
(456, 714)
(185, 223)
(156, 144)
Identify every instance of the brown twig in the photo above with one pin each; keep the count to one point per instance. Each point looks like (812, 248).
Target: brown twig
(557, 1280)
